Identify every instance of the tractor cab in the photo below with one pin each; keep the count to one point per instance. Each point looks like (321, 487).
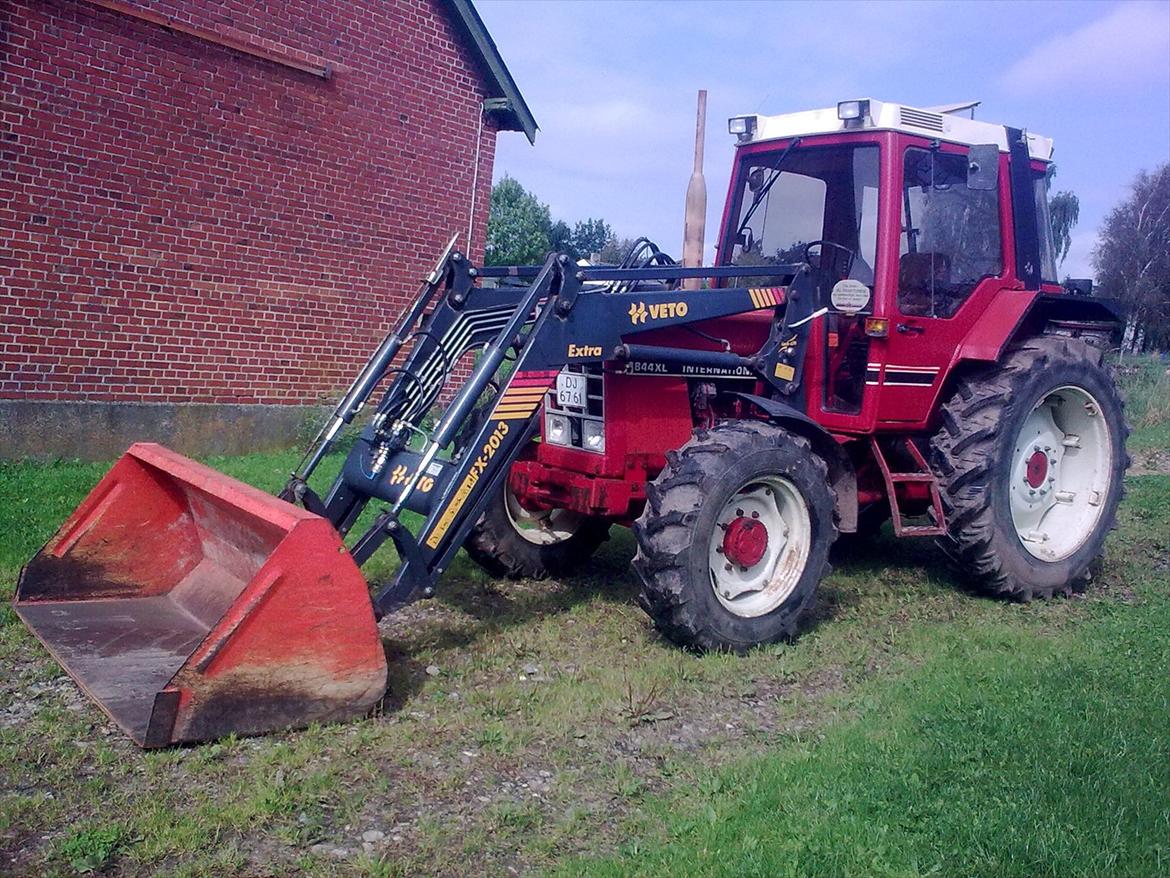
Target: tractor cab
(911, 221)
(816, 201)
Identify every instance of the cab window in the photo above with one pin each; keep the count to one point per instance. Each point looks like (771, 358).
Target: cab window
(789, 200)
(950, 235)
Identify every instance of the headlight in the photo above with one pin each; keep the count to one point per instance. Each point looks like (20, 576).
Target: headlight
(556, 430)
(593, 434)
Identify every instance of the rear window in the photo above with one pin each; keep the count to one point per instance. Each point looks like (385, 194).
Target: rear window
(1044, 230)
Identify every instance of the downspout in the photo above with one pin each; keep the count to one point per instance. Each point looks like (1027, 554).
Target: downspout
(475, 178)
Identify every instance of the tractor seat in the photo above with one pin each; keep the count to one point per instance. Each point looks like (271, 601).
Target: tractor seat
(919, 276)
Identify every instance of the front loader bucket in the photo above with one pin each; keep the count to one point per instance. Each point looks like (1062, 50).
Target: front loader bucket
(189, 605)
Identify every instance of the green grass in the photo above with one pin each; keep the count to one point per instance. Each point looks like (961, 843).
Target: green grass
(913, 729)
(1146, 382)
(1010, 752)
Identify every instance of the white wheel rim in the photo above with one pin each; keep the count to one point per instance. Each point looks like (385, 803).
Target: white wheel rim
(760, 588)
(543, 528)
(1061, 467)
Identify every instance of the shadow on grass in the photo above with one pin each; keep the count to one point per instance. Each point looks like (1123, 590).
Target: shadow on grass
(486, 607)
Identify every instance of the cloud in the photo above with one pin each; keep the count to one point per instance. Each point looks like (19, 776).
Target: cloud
(1129, 45)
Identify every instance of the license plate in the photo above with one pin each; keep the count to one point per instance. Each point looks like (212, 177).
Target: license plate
(571, 390)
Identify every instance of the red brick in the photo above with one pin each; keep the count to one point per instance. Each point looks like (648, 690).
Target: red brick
(179, 219)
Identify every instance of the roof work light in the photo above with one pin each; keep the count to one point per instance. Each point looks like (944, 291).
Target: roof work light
(853, 113)
(743, 127)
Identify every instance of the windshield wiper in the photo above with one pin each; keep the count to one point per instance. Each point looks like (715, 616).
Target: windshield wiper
(763, 193)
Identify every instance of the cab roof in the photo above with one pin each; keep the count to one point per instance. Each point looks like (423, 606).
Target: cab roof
(939, 122)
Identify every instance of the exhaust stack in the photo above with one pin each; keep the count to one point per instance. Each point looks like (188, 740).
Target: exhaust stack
(694, 226)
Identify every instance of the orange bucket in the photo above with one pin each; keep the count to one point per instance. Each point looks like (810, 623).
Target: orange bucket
(189, 605)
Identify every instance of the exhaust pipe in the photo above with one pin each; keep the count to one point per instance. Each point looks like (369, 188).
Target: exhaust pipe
(695, 223)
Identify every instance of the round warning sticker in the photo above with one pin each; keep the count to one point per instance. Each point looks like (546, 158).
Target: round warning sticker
(849, 295)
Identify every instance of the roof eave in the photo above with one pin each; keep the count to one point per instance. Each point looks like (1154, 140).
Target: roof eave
(505, 103)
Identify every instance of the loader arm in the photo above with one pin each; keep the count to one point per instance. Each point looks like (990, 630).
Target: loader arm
(564, 315)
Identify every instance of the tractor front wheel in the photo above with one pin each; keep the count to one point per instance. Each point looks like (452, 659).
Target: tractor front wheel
(509, 540)
(735, 537)
(1031, 458)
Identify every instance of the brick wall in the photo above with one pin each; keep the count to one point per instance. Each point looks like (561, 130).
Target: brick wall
(181, 222)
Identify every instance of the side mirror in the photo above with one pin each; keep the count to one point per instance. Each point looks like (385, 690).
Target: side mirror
(746, 240)
(983, 167)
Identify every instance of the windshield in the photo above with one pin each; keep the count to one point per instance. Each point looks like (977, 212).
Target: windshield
(790, 198)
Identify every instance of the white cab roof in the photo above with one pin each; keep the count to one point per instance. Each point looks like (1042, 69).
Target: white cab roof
(884, 115)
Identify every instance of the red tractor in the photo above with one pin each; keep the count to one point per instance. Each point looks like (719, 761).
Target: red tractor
(882, 336)
(949, 383)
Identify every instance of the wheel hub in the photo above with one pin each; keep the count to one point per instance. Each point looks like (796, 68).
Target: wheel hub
(759, 546)
(1060, 473)
(1037, 469)
(745, 541)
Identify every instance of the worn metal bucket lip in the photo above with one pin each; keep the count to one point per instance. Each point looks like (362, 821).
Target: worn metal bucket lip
(137, 732)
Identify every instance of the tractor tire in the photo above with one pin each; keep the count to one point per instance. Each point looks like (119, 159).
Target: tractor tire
(712, 578)
(1031, 460)
(510, 542)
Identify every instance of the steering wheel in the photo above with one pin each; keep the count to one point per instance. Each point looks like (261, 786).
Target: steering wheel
(821, 243)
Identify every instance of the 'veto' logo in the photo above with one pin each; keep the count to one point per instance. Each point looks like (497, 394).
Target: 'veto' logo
(639, 312)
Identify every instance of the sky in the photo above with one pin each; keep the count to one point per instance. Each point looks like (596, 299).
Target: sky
(613, 83)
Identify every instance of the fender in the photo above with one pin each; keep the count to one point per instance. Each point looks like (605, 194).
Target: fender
(842, 475)
(1016, 313)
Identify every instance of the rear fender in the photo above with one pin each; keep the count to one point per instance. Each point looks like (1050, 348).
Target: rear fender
(1015, 314)
(842, 475)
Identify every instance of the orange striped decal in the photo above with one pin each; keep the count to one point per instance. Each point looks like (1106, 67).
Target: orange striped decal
(523, 395)
(767, 297)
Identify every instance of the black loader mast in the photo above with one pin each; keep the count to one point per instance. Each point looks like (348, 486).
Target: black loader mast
(540, 319)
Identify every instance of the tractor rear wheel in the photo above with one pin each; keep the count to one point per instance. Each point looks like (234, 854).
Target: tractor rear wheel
(735, 537)
(511, 541)
(1031, 458)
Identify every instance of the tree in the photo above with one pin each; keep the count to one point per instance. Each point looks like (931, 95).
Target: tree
(1064, 209)
(521, 231)
(518, 226)
(560, 237)
(590, 236)
(615, 250)
(1132, 258)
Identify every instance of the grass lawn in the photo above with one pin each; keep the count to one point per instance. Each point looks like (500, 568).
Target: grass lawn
(914, 729)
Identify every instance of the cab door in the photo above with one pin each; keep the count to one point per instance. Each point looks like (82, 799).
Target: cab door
(950, 263)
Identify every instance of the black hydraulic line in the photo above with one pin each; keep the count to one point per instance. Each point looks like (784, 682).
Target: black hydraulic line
(425, 398)
(492, 356)
(677, 272)
(500, 271)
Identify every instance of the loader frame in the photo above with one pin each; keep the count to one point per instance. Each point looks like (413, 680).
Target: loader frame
(541, 319)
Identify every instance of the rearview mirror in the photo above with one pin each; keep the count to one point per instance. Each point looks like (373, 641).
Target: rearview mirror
(983, 167)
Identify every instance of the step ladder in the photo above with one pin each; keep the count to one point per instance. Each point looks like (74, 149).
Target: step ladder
(922, 475)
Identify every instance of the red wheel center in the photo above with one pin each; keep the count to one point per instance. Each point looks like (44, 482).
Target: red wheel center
(745, 541)
(1037, 469)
